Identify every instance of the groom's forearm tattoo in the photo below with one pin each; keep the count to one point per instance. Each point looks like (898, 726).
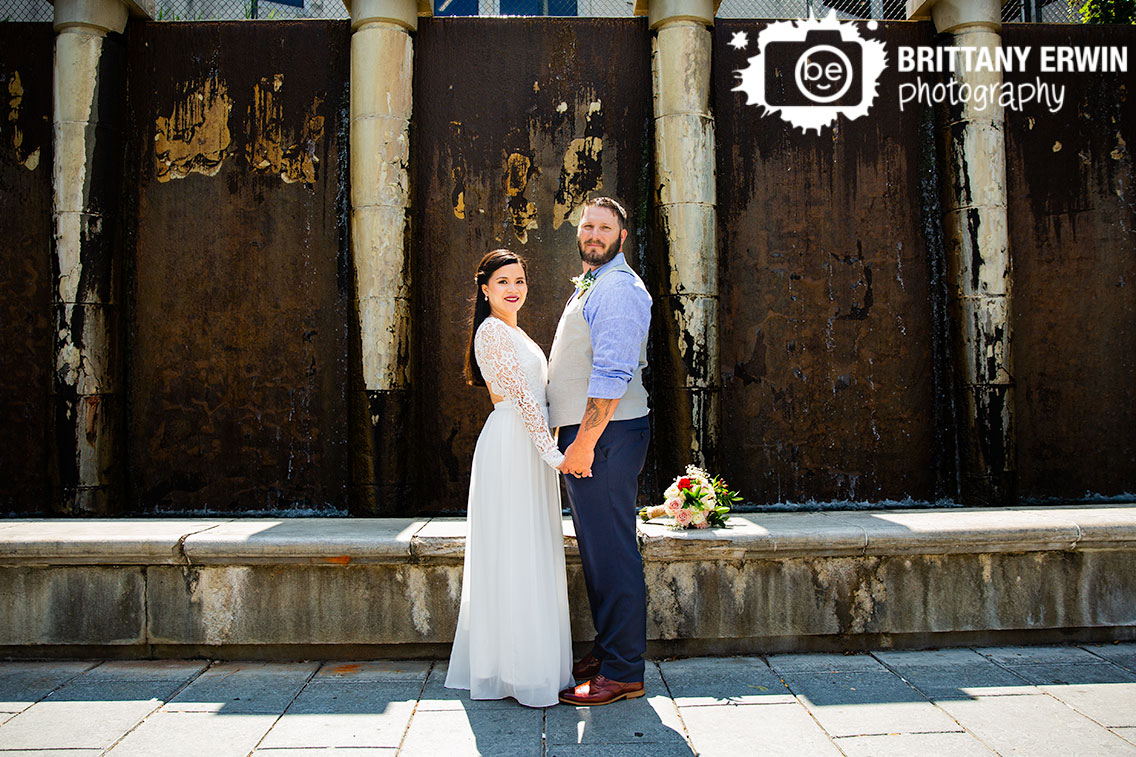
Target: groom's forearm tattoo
(597, 413)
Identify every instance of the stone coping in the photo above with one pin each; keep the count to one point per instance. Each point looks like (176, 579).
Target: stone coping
(752, 536)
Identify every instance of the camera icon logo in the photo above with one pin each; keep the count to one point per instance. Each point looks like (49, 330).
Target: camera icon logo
(812, 71)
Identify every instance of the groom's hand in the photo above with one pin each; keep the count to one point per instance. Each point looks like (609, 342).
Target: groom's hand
(578, 459)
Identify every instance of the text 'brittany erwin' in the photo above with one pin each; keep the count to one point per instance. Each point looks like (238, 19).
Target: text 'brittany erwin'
(1051, 59)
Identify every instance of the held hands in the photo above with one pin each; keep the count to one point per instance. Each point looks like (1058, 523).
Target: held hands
(578, 460)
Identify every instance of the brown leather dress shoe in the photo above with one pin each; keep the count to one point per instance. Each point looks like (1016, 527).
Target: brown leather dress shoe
(600, 690)
(586, 667)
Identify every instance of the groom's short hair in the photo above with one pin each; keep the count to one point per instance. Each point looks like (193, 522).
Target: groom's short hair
(612, 205)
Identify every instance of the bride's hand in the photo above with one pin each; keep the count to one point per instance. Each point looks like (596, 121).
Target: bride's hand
(563, 468)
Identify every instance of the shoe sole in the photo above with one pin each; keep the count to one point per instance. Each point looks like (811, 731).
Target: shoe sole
(626, 695)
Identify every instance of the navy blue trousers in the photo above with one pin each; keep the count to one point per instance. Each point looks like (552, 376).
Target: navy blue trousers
(603, 510)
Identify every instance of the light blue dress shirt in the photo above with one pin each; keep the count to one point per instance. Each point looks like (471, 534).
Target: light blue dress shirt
(618, 312)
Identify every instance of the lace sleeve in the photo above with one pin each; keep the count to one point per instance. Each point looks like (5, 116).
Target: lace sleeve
(496, 352)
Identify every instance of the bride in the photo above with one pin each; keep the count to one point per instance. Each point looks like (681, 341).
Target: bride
(513, 637)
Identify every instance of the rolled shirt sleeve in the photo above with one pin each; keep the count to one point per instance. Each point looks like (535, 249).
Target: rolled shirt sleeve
(618, 314)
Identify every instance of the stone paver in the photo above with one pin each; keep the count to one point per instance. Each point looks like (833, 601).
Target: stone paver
(955, 674)
(85, 715)
(771, 730)
(476, 730)
(331, 751)
(864, 704)
(336, 714)
(145, 670)
(243, 687)
(51, 753)
(1034, 725)
(1043, 701)
(22, 684)
(374, 670)
(908, 744)
(1038, 655)
(727, 680)
(619, 750)
(1121, 654)
(824, 663)
(192, 734)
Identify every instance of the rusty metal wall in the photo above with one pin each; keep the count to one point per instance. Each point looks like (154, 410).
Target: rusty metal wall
(25, 267)
(1072, 223)
(829, 341)
(237, 262)
(834, 335)
(515, 123)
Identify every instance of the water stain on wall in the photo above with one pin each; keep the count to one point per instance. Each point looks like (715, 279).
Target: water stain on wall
(272, 148)
(518, 170)
(195, 137)
(458, 195)
(582, 171)
(27, 159)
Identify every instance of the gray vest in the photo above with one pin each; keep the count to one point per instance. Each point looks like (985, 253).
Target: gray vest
(570, 366)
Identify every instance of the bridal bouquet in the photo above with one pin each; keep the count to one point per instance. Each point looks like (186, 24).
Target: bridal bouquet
(694, 501)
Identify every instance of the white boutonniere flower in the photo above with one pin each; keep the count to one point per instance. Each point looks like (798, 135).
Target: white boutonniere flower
(584, 281)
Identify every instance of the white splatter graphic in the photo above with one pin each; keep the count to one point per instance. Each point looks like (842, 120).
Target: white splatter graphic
(810, 71)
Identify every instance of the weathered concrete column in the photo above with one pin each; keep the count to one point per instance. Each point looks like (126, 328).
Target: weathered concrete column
(382, 58)
(978, 259)
(89, 90)
(688, 386)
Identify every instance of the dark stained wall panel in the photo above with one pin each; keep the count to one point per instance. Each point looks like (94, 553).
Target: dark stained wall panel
(239, 282)
(26, 344)
(516, 121)
(1072, 222)
(827, 328)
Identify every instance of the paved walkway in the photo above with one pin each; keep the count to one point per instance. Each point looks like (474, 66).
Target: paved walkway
(1012, 700)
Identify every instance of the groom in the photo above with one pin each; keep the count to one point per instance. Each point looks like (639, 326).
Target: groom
(596, 397)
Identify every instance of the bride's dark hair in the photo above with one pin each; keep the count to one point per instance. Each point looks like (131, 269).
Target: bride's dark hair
(490, 263)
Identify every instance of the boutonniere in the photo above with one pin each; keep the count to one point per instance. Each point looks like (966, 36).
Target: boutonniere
(584, 281)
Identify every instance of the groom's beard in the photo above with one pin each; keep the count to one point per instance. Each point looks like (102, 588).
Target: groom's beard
(596, 259)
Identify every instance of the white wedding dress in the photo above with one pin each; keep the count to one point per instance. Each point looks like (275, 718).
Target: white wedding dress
(513, 637)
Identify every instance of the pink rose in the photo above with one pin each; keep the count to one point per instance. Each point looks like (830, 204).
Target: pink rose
(703, 524)
(682, 517)
(673, 506)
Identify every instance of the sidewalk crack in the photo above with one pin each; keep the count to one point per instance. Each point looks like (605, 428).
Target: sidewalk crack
(414, 710)
(283, 712)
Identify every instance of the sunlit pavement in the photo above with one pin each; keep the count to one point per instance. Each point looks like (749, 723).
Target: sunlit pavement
(979, 701)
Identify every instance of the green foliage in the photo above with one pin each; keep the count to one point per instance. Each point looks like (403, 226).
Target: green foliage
(1106, 11)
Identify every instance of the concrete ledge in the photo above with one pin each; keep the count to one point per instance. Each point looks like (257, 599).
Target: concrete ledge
(772, 582)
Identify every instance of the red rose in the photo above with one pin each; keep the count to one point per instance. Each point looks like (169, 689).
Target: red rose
(684, 483)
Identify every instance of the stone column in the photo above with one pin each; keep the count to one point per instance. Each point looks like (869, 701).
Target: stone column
(87, 399)
(978, 261)
(382, 58)
(688, 385)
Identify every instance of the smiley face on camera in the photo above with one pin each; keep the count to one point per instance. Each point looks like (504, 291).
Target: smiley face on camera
(822, 69)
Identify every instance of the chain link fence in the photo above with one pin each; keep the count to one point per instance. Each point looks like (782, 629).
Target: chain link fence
(1053, 11)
